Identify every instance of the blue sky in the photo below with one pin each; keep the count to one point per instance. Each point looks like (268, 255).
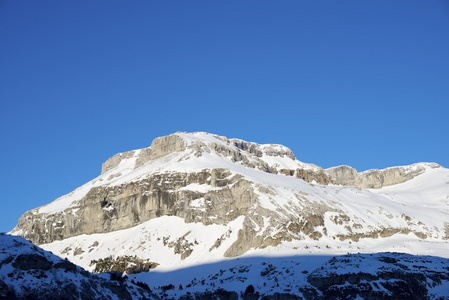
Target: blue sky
(362, 83)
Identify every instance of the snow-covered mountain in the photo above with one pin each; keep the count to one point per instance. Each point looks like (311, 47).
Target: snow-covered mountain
(195, 198)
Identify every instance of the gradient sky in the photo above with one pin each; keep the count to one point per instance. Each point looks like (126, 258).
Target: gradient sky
(361, 83)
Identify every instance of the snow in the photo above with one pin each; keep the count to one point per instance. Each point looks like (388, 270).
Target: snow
(237, 274)
(203, 137)
(147, 241)
(30, 281)
(410, 168)
(288, 274)
(201, 188)
(197, 203)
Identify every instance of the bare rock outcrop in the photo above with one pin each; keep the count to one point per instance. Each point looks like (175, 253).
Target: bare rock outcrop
(374, 179)
(160, 147)
(251, 155)
(106, 209)
(115, 160)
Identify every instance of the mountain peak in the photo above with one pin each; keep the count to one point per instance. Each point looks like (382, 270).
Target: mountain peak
(181, 146)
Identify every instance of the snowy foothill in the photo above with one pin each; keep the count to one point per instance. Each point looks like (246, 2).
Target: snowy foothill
(29, 272)
(317, 276)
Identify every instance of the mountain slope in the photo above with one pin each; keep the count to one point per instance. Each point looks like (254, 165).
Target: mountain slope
(28, 272)
(354, 276)
(195, 197)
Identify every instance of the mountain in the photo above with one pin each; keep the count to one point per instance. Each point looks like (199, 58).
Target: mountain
(197, 198)
(28, 272)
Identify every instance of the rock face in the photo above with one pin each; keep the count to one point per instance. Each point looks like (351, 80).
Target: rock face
(213, 180)
(375, 179)
(249, 154)
(110, 208)
(115, 160)
(123, 264)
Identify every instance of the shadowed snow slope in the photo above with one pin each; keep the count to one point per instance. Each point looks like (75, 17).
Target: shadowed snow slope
(28, 272)
(354, 276)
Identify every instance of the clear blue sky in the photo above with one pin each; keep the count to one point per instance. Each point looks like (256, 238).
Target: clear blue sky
(362, 83)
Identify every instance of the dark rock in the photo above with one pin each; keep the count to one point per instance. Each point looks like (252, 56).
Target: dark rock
(31, 261)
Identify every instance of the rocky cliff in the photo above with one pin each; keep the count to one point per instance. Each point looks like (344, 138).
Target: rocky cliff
(251, 155)
(375, 179)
